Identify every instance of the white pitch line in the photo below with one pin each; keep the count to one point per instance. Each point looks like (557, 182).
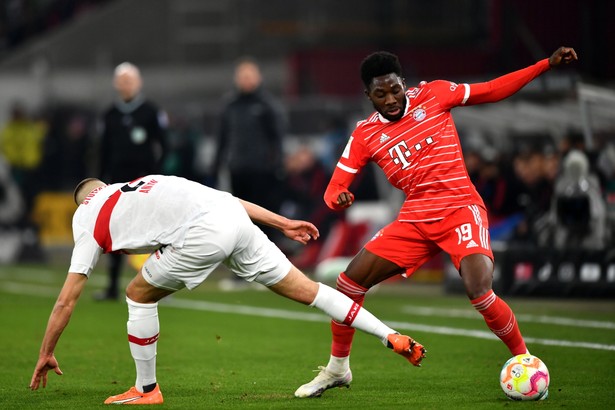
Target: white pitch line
(30, 290)
(24, 289)
(318, 317)
(473, 314)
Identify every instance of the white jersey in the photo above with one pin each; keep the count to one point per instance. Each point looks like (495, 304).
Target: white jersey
(138, 217)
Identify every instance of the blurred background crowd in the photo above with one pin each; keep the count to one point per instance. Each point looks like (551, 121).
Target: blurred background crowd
(543, 160)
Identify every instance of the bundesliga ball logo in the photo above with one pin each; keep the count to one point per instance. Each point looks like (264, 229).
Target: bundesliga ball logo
(525, 377)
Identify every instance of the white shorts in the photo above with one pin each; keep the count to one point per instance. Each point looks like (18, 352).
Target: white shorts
(225, 235)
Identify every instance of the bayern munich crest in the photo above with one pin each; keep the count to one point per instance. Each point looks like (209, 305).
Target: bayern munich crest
(419, 114)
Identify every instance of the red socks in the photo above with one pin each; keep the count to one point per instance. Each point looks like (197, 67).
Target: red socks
(342, 334)
(501, 321)
(499, 318)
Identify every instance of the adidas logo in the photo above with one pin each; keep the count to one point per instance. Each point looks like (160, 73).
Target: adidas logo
(384, 138)
(471, 244)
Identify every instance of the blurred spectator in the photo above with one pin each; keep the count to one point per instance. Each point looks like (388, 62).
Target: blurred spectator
(334, 140)
(11, 211)
(533, 191)
(484, 167)
(11, 201)
(573, 140)
(250, 146)
(605, 164)
(577, 217)
(250, 140)
(181, 148)
(67, 149)
(305, 185)
(21, 144)
(133, 144)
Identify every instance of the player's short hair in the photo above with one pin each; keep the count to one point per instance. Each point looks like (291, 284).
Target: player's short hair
(377, 64)
(80, 187)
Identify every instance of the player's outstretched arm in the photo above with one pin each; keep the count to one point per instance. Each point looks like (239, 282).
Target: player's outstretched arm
(300, 231)
(508, 84)
(60, 316)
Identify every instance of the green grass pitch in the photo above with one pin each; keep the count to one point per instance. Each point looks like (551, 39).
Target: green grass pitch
(251, 349)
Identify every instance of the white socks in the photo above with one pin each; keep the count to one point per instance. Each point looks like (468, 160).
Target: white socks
(342, 309)
(338, 365)
(143, 328)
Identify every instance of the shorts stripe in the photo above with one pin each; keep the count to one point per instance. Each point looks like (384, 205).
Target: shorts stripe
(476, 212)
(484, 237)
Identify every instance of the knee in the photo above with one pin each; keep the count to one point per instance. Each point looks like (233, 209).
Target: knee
(296, 286)
(131, 292)
(478, 289)
(135, 294)
(477, 278)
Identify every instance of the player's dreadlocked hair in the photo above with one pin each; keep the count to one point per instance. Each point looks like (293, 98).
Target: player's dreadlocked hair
(377, 64)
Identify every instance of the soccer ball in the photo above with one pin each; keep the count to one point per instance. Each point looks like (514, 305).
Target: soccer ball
(525, 377)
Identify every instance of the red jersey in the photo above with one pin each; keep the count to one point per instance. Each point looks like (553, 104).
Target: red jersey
(420, 153)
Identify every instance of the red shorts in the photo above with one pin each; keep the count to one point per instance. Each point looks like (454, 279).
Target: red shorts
(411, 244)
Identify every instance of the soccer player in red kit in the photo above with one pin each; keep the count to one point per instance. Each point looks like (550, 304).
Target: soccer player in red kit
(413, 139)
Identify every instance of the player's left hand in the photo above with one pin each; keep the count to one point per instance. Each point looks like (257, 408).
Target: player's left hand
(44, 364)
(563, 55)
(300, 231)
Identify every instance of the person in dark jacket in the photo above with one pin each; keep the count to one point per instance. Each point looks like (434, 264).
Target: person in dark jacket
(133, 142)
(250, 138)
(250, 141)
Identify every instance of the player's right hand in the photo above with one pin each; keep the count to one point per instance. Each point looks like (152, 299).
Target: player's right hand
(338, 197)
(44, 364)
(345, 199)
(563, 55)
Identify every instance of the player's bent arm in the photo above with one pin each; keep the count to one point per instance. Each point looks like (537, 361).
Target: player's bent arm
(59, 318)
(337, 195)
(300, 231)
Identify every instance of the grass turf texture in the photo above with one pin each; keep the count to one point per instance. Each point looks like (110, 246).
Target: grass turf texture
(226, 360)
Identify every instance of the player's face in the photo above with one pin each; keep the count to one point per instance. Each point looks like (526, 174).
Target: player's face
(387, 94)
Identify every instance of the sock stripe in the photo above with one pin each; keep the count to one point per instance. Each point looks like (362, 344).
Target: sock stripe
(352, 314)
(143, 342)
(348, 286)
(484, 301)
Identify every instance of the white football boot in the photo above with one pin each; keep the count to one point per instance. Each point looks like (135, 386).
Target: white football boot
(324, 381)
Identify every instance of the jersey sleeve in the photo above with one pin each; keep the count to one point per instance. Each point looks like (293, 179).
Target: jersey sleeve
(355, 155)
(85, 253)
(352, 160)
(449, 94)
(506, 85)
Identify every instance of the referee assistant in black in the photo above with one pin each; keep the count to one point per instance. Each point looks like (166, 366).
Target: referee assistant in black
(133, 144)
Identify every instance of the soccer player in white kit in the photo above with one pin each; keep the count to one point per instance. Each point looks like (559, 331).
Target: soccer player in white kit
(189, 229)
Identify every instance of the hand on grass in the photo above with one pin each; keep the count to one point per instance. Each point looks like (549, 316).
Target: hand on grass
(44, 364)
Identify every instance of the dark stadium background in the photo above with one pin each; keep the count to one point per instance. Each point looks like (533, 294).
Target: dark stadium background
(57, 57)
